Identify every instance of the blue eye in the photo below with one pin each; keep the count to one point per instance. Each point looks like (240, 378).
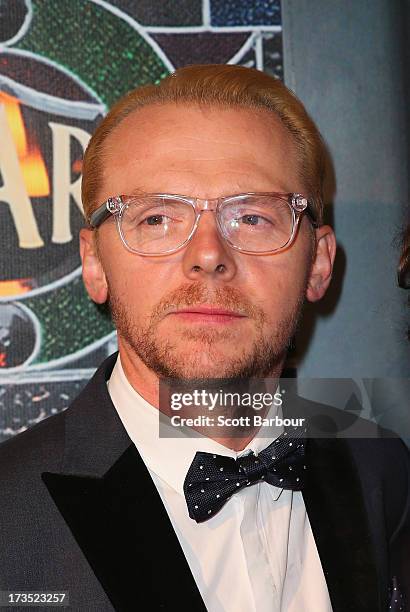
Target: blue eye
(253, 219)
(154, 219)
(250, 219)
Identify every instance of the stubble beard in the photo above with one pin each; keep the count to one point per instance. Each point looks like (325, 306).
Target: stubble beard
(263, 358)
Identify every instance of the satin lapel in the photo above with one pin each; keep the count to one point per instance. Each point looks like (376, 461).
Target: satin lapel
(123, 529)
(335, 506)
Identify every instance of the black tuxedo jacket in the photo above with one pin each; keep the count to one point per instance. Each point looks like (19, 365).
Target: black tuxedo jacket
(80, 512)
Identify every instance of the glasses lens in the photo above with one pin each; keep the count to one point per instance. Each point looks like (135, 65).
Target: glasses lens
(155, 225)
(257, 223)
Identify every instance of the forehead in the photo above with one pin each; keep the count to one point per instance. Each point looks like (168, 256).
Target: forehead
(181, 143)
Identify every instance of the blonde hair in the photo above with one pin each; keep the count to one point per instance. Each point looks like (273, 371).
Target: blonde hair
(213, 85)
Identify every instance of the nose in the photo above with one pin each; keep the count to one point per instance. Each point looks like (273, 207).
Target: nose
(207, 254)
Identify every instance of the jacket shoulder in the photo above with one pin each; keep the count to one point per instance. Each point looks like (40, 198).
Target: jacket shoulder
(39, 448)
(380, 457)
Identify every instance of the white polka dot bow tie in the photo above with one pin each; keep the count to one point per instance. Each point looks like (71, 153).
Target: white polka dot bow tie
(212, 479)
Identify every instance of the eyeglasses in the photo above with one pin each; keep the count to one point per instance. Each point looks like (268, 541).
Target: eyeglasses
(161, 223)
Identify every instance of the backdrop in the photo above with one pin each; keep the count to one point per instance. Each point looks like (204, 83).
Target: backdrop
(62, 64)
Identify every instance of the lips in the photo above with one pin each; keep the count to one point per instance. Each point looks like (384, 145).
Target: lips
(207, 314)
(208, 310)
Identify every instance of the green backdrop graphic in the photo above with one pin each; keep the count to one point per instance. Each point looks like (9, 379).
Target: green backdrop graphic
(64, 63)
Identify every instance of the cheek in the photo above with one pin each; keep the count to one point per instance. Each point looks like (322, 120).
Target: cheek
(139, 284)
(278, 282)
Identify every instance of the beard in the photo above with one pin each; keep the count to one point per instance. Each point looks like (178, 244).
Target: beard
(264, 357)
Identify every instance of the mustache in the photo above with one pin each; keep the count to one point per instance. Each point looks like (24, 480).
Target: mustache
(189, 294)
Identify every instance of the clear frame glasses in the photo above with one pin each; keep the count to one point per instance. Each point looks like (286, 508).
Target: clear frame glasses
(159, 223)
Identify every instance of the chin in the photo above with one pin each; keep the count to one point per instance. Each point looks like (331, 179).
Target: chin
(196, 364)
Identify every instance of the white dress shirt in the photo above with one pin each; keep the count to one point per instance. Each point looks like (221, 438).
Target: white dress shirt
(257, 554)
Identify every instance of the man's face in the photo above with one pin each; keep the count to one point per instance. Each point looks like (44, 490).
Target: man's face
(164, 307)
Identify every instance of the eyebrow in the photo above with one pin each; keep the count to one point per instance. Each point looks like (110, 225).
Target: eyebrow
(136, 191)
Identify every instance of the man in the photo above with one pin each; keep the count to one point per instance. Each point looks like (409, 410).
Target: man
(203, 197)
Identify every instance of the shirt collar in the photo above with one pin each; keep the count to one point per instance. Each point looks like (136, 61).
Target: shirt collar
(171, 457)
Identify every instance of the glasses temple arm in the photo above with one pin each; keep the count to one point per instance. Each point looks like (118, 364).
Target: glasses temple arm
(102, 213)
(312, 216)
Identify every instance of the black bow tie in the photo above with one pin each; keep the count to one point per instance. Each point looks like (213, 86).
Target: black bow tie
(212, 479)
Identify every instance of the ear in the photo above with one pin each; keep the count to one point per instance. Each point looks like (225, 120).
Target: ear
(93, 272)
(322, 264)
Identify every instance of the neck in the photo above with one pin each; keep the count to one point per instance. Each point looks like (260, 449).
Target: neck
(146, 383)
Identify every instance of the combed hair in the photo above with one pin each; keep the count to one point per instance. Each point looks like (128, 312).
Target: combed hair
(217, 85)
